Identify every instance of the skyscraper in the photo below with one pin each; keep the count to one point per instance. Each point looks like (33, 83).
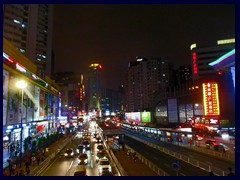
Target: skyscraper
(29, 28)
(93, 87)
(148, 79)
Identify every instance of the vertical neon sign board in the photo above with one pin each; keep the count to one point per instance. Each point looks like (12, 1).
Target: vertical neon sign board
(194, 61)
(211, 99)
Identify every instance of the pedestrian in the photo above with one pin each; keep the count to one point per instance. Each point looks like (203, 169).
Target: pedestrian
(27, 164)
(5, 173)
(20, 159)
(123, 146)
(14, 168)
(17, 160)
(28, 171)
(38, 159)
(33, 160)
(211, 173)
(21, 173)
(10, 166)
(230, 172)
(16, 173)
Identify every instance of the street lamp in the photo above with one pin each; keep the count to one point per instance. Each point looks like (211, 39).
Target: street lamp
(21, 85)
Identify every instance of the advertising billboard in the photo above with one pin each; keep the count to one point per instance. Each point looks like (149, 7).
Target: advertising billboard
(172, 111)
(133, 116)
(146, 117)
(30, 102)
(5, 95)
(36, 105)
(14, 106)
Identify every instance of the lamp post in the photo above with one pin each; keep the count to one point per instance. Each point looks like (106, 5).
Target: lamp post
(21, 85)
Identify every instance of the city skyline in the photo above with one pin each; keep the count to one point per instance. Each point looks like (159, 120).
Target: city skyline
(114, 35)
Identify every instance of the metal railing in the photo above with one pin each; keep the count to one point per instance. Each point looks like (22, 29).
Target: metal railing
(148, 163)
(187, 159)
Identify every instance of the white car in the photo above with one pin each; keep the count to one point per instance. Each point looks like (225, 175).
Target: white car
(104, 165)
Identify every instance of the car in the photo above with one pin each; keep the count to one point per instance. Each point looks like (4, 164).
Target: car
(103, 166)
(210, 143)
(100, 148)
(198, 137)
(83, 159)
(107, 173)
(69, 152)
(221, 147)
(80, 149)
(80, 171)
(86, 144)
(98, 139)
(100, 155)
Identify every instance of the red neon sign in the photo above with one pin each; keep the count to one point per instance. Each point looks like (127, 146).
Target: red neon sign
(194, 61)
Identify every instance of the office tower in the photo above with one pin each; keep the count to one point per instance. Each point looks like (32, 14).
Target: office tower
(148, 80)
(94, 87)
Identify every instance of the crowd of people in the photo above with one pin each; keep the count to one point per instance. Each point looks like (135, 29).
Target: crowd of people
(19, 165)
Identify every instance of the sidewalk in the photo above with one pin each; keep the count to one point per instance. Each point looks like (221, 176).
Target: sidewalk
(51, 149)
(132, 168)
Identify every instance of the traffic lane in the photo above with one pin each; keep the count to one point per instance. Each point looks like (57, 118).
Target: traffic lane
(59, 167)
(216, 162)
(65, 166)
(164, 161)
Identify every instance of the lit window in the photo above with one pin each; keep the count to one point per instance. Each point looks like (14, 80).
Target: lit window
(16, 21)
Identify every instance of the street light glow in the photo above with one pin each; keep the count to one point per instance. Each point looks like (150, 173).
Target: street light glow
(21, 84)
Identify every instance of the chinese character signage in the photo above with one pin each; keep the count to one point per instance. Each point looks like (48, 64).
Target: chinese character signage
(211, 99)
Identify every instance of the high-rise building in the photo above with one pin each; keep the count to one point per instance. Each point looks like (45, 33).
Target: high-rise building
(29, 28)
(182, 75)
(93, 87)
(72, 93)
(148, 79)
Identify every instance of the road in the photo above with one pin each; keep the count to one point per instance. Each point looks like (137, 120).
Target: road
(63, 166)
(217, 163)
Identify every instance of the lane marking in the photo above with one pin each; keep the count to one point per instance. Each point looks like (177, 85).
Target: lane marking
(70, 165)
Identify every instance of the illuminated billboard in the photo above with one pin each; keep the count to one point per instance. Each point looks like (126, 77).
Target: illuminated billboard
(211, 99)
(146, 117)
(132, 116)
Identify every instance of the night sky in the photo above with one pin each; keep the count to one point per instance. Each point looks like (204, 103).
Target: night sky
(114, 35)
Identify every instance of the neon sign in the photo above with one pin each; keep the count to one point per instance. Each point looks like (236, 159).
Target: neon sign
(211, 99)
(194, 61)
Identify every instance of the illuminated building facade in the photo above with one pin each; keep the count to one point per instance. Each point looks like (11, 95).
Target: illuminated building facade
(34, 112)
(216, 64)
(225, 67)
(202, 56)
(72, 93)
(29, 28)
(93, 87)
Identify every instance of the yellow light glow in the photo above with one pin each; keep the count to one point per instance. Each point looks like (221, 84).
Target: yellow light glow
(193, 46)
(94, 65)
(21, 84)
(226, 41)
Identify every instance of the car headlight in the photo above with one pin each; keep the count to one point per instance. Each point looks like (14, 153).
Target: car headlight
(77, 150)
(65, 154)
(72, 154)
(110, 168)
(85, 160)
(88, 145)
